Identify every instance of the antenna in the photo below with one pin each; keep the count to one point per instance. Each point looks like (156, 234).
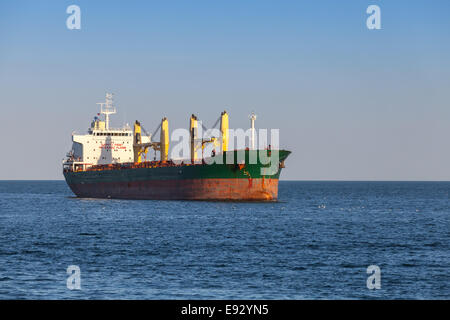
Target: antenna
(107, 108)
(252, 126)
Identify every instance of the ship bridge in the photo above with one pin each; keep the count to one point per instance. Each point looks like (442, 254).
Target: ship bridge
(102, 144)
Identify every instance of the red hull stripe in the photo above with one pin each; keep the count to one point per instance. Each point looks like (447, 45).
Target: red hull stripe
(192, 189)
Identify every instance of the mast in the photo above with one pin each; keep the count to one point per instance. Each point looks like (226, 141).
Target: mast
(107, 108)
(252, 126)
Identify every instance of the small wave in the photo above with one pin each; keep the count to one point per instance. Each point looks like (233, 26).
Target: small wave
(32, 252)
(317, 264)
(7, 253)
(408, 264)
(299, 268)
(433, 244)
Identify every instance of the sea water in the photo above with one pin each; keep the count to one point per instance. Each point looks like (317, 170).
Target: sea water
(316, 242)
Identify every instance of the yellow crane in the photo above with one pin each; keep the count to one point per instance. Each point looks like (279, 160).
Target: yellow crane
(197, 143)
(141, 148)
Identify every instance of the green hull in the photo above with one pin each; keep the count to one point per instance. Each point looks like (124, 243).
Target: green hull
(186, 181)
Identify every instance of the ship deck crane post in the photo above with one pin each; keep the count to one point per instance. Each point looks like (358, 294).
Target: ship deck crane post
(224, 124)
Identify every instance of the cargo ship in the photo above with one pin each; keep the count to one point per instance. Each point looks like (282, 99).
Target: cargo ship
(113, 163)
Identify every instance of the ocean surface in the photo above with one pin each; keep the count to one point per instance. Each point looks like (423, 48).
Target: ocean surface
(316, 242)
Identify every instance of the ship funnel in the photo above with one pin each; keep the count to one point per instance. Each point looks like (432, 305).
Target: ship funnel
(164, 140)
(224, 130)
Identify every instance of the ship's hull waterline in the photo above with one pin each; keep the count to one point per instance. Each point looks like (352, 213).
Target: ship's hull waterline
(221, 182)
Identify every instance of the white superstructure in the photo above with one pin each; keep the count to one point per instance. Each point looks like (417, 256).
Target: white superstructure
(102, 144)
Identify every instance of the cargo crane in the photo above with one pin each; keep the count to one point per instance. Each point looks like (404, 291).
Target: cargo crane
(197, 143)
(141, 148)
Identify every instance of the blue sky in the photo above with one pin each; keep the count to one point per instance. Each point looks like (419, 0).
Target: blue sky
(351, 103)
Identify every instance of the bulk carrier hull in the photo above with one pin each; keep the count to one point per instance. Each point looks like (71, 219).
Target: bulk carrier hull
(169, 181)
